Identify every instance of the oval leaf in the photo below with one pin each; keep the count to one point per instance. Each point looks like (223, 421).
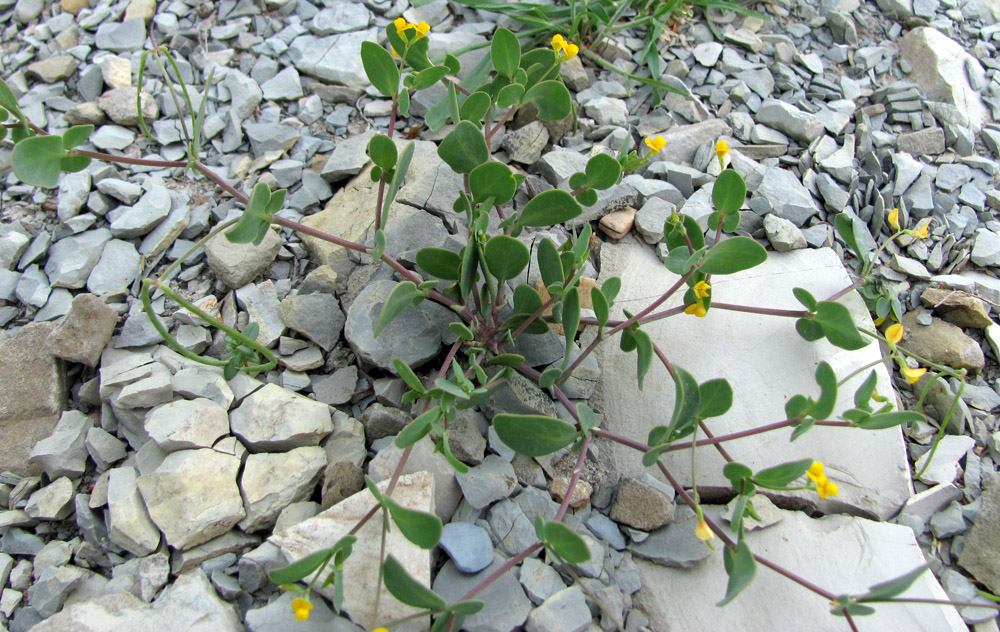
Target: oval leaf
(402, 586)
(566, 543)
(475, 107)
(838, 326)
(77, 136)
(380, 68)
(297, 571)
(716, 398)
(733, 255)
(510, 95)
(603, 171)
(422, 529)
(729, 192)
(882, 421)
(782, 475)
(552, 100)
(505, 257)
(505, 52)
(402, 296)
(429, 76)
(464, 148)
(440, 262)
(741, 568)
(36, 160)
(534, 435)
(493, 180)
(554, 206)
(382, 151)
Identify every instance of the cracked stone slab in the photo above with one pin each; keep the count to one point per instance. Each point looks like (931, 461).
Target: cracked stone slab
(766, 362)
(843, 554)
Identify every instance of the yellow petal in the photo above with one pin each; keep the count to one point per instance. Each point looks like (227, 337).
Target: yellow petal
(832, 489)
(558, 42)
(702, 289)
(921, 233)
(912, 375)
(571, 50)
(696, 309)
(721, 149)
(894, 333)
(400, 25)
(423, 28)
(703, 531)
(301, 607)
(894, 219)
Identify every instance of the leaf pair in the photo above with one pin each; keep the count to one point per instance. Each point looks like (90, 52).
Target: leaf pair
(38, 160)
(602, 172)
(829, 320)
(692, 402)
(256, 219)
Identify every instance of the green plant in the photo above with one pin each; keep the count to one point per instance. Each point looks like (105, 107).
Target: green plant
(473, 283)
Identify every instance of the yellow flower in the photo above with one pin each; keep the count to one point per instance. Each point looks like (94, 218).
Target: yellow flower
(570, 50)
(826, 489)
(698, 309)
(702, 289)
(815, 471)
(422, 29)
(381, 630)
(301, 607)
(401, 25)
(656, 144)
(921, 233)
(721, 149)
(703, 531)
(912, 375)
(558, 42)
(894, 334)
(894, 219)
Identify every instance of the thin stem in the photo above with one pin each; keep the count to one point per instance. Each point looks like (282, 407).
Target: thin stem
(499, 124)
(99, 155)
(768, 311)
(495, 575)
(216, 178)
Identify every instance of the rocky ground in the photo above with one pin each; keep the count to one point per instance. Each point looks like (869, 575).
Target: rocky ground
(140, 488)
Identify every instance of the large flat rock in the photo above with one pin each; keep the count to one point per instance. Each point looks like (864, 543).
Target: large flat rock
(766, 362)
(842, 554)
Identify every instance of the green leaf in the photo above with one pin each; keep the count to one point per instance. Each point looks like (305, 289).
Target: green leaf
(404, 104)
(729, 192)
(549, 264)
(571, 317)
(379, 248)
(526, 299)
(402, 166)
(439, 262)
(422, 529)
(566, 543)
(844, 224)
(462, 331)
(36, 160)
(893, 587)
(552, 100)
(863, 395)
(674, 231)
(406, 589)
(827, 380)
(644, 355)
(805, 298)
(493, 180)
(741, 568)
(429, 76)
(549, 376)
(587, 198)
(402, 296)
(838, 326)
(782, 475)
(464, 148)
(453, 64)
(72, 164)
(881, 421)
(534, 435)
(797, 405)
(505, 257)
(505, 52)
(380, 68)
(809, 329)
(8, 101)
(611, 287)
(736, 472)
(510, 95)
(687, 401)
(417, 429)
(382, 151)
(467, 607)
(253, 225)
(588, 420)
(475, 107)
(603, 171)
(512, 360)
(851, 607)
(405, 372)
(716, 398)
(76, 136)
(803, 427)
(554, 206)
(601, 306)
(733, 255)
(297, 571)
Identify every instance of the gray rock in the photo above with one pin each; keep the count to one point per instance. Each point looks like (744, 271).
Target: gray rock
(117, 268)
(260, 301)
(607, 111)
(525, 144)
(506, 607)
(340, 17)
(274, 419)
(129, 525)
(986, 251)
(244, 92)
(63, 453)
(349, 157)
(33, 287)
(271, 482)
(540, 581)
(605, 529)
(790, 120)
(238, 264)
(26, 10)
(782, 193)
(468, 546)
(960, 589)
(927, 503)
(52, 502)
(944, 466)
(265, 137)
(166, 232)
(336, 58)
(86, 330)
(487, 483)
(338, 388)
(927, 142)
(73, 191)
(57, 306)
(948, 522)
(707, 53)
(642, 506)
(979, 554)
(138, 331)
(121, 37)
(565, 611)
(414, 336)
(55, 585)
(195, 382)
(119, 105)
(104, 448)
(151, 209)
(112, 137)
(675, 545)
(12, 246)
(187, 424)
(283, 86)
(276, 617)
(71, 259)
(318, 317)
(177, 503)
(558, 165)
(783, 234)
(382, 421)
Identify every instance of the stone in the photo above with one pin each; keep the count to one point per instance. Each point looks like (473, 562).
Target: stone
(129, 525)
(650, 219)
(423, 457)
(978, 556)
(340, 17)
(180, 503)
(121, 37)
(151, 209)
(607, 111)
(944, 466)
(875, 458)
(337, 388)
(189, 603)
(274, 419)
(641, 506)
(63, 453)
(468, 546)
(117, 268)
(684, 140)
(617, 224)
(283, 86)
(948, 522)
(942, 342)
(112, 136)
(336, 59)
(927, 142)
(32, 396)
(116, 71)
(271, 482)
(340, 480)
(318, 317)
(525, 144)
(53, 69)
(466, 442)
(104, 448)
(540, 581)
(238, 264)
(276, 616)
(295, 513)
(86, 330)
(187, 424)
(674, 545)
(986, 251)
(783, 234)
(348, 158)
(52, 502)
(325, 529)
(506, 606)
(260, 301)
(119, 103)
(487, 483)
(957, 307)
(781, 192)
(707, 53)
(682, 598)
(194, 382)
(73, 191)
(565, 611)
(12, 246)
(414, 336)
(790, 120)
(72, 258)
(942, 68)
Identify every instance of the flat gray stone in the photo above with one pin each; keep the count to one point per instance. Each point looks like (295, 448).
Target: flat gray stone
(238, 264)
(336, 58)
(274, 419)
(121, 37)
(271, 482)
(565, 611)
(117, 268)
(506, 607)
(468, 546)
(790, 120)
(151, 209)
(186, 424)
(773, 372)
(318, 317)
(487, 483)
(71, 259)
